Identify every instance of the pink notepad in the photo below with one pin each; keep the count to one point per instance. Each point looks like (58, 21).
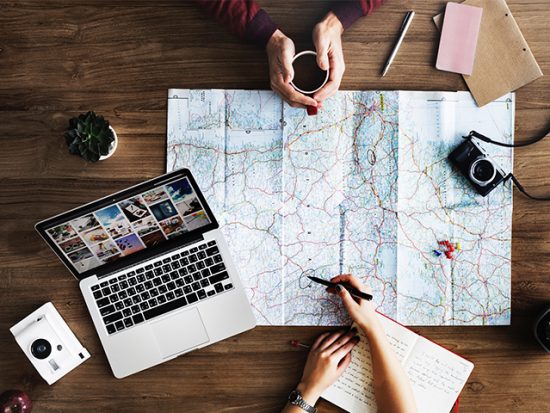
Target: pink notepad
(457, 47)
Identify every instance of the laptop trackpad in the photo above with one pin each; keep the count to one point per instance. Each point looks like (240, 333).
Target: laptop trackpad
(179, 332)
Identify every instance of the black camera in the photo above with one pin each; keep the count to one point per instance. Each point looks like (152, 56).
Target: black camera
(482, 172)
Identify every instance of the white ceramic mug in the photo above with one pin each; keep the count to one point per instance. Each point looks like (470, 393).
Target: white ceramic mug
(309, 92)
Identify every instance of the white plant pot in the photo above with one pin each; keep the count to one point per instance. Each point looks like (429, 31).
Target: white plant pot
(114, 145)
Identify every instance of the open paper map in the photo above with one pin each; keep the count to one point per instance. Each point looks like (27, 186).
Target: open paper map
(364, 187)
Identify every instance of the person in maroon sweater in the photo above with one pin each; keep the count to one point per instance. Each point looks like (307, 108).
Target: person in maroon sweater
(250, 22)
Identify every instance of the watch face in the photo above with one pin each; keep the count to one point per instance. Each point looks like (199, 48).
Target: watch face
(294, 395)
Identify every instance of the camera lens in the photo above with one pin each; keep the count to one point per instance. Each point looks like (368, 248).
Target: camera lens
(41, 348)
(482, 171)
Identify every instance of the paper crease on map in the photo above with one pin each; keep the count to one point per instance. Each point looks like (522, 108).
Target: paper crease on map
(364, 187)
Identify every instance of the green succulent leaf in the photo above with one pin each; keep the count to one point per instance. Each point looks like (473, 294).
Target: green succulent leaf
(89, 136)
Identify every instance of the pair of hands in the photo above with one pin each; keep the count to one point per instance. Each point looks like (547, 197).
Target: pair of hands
(330, 355)
(327, 38)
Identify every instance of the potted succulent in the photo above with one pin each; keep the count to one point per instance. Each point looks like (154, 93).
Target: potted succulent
(90, 136)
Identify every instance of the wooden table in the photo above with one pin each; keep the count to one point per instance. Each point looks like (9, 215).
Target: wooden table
(58, 59)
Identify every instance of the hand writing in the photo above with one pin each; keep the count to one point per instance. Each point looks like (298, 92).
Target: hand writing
(362, 311)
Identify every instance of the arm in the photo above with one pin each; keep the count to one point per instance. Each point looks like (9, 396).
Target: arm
(350, 11)
(391, 385)
(250, 22)
(327, 38)
(392, 388)
(244, 17)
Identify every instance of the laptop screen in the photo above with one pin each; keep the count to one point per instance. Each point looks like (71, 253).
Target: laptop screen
(127, 224)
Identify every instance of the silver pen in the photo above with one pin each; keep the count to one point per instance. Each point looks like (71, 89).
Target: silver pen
(403, 31)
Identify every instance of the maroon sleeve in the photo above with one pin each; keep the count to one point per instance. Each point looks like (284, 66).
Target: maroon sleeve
(244, 17)
(349, 11)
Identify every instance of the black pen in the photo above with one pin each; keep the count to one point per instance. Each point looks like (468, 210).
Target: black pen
(353, 291)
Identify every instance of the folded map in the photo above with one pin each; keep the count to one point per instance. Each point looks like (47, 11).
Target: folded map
(364, 187)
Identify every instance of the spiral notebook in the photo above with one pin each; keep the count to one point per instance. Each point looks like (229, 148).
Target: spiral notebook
(437, 375)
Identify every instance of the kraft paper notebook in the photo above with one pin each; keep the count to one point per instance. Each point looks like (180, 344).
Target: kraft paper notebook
(503, 61)
(437, 375)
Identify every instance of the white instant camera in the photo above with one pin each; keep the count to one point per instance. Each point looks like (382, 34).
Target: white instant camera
(49, 343)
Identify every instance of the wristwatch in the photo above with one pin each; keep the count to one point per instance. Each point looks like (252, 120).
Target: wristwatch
(295, 398)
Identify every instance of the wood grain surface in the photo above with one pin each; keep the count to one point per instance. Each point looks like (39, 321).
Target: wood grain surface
(61, 58)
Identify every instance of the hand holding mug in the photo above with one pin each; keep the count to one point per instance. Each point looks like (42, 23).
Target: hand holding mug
(280, 52)
(299, 82)
(327, 38)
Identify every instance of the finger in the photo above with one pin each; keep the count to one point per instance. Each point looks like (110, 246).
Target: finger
(321, 47)
(337, 69)
(326, 91)
(348, 301)
(319, 340)
(331, 339)
(353, 281)
(330, 88)
(345, 349)
(344, 363)
(285, 63)
(331, 290)
(290, 94)
(283, 92)
(340, 278)
(341, 341)
(297, 105)
(297, 97)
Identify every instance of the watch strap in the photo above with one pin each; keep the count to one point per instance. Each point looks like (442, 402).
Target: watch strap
(296, 399)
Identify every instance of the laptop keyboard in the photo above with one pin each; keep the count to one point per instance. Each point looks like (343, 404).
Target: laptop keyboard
(159, 287)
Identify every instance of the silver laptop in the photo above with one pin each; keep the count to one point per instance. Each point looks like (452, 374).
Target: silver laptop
(154, 270)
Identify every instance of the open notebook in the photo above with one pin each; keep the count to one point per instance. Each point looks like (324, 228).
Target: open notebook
(437, 375)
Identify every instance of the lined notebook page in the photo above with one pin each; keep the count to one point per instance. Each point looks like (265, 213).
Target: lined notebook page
(354, 389)
(437, 375)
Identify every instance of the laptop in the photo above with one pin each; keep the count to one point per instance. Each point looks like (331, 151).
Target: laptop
(154, 269)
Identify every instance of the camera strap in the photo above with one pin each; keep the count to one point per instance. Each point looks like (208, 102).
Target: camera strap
(523, 191)
(474, 134)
